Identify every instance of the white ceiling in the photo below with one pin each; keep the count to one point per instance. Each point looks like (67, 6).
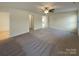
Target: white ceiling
(32, 6)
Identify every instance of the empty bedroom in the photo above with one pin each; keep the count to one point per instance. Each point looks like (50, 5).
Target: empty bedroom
(39, 29)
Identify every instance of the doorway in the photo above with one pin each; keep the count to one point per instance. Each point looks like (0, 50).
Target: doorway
(44, 21)
(31, 23)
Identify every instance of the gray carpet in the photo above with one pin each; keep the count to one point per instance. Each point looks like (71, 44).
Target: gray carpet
(42, 42)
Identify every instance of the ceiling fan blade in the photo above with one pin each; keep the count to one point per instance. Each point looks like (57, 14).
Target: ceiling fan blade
(51, 10)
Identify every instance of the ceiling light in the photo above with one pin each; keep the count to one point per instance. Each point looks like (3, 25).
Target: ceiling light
(46, 10)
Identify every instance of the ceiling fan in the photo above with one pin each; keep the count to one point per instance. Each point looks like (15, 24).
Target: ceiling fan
(47, 8)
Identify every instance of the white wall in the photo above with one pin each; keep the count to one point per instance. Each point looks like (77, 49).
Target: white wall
(4, 21)
(66, 21)
(19, 20)
(37, 21)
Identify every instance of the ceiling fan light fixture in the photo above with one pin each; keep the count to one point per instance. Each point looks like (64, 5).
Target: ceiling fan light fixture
(47, 8)
(46, 11)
